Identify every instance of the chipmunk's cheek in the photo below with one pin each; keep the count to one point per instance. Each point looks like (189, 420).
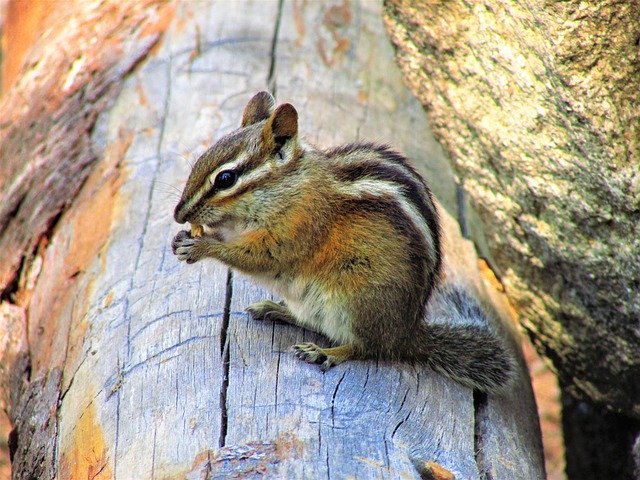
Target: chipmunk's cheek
(208, 230)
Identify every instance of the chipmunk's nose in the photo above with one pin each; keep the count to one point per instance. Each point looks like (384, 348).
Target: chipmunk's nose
(180, 214)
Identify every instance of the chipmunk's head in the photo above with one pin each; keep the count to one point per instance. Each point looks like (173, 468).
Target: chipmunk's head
(223, 183)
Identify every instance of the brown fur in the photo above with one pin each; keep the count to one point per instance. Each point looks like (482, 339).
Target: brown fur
(259, 108)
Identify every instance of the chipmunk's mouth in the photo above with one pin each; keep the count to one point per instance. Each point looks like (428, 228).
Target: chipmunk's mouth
(208, 230)
(198, 230)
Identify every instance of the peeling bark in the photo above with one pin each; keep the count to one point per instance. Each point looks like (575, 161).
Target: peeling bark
(47, 117)
(71, 74)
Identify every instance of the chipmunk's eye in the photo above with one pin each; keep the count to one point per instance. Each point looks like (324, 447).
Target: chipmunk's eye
(225, 179)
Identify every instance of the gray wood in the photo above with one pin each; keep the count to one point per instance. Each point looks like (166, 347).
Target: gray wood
(166, 376)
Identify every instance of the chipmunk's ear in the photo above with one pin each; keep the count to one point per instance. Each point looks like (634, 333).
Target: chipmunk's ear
(259, 108)
(281, 126)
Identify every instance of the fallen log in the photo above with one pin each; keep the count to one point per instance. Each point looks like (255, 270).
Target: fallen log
(130, 364)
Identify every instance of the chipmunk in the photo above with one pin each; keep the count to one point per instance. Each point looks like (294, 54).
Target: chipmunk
(349, 237)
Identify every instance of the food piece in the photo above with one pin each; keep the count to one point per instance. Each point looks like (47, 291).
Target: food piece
(197, 230)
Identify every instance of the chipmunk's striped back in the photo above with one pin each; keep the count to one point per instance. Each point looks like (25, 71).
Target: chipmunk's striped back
(385, 179)
(369, 177)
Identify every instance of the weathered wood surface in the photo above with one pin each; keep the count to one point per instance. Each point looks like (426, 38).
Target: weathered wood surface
(164, 375)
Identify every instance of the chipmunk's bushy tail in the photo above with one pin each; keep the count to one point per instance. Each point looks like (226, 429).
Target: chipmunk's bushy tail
(459, 341)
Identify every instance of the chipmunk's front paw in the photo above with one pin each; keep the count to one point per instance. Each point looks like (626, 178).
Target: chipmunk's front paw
(268, 310)
(185, 247)
(312, 353)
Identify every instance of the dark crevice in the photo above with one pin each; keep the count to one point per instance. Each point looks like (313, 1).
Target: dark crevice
(333, 400)
(271, 76)
(13, 442)
(25, 262)
(6, 218)
(224, 348)
(277, 376)
(14, 285)
(53, 221)
(479, 423)
(393, 434)
(599, 443)
(461, 200)
(224, 334)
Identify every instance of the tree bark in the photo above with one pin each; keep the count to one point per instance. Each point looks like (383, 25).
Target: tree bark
(123, 363)
(538, 105)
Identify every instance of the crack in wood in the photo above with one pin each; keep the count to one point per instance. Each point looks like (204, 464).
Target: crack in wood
(278, 359)
(125, 373)
(333, 399)
(117, 423)
(226, 357)
(271, 76)
(480, 403)
(158, 319)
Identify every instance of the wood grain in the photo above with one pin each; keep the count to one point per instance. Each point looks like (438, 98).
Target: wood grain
(165, 370)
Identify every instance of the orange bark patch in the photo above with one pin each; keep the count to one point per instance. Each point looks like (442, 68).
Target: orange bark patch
(547, 393)
(108, 299)
(298, 21)
(84, 455)
(489, 274)
(142, 96)
(336, 20)
(159, 23)
(22, 26)
(96, 206)
(161, 20)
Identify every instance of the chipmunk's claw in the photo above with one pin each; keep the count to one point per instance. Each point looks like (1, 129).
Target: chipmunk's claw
(311, 353)
(183, 246)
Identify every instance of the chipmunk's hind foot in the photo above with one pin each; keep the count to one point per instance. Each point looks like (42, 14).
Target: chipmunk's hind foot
(324, 357)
